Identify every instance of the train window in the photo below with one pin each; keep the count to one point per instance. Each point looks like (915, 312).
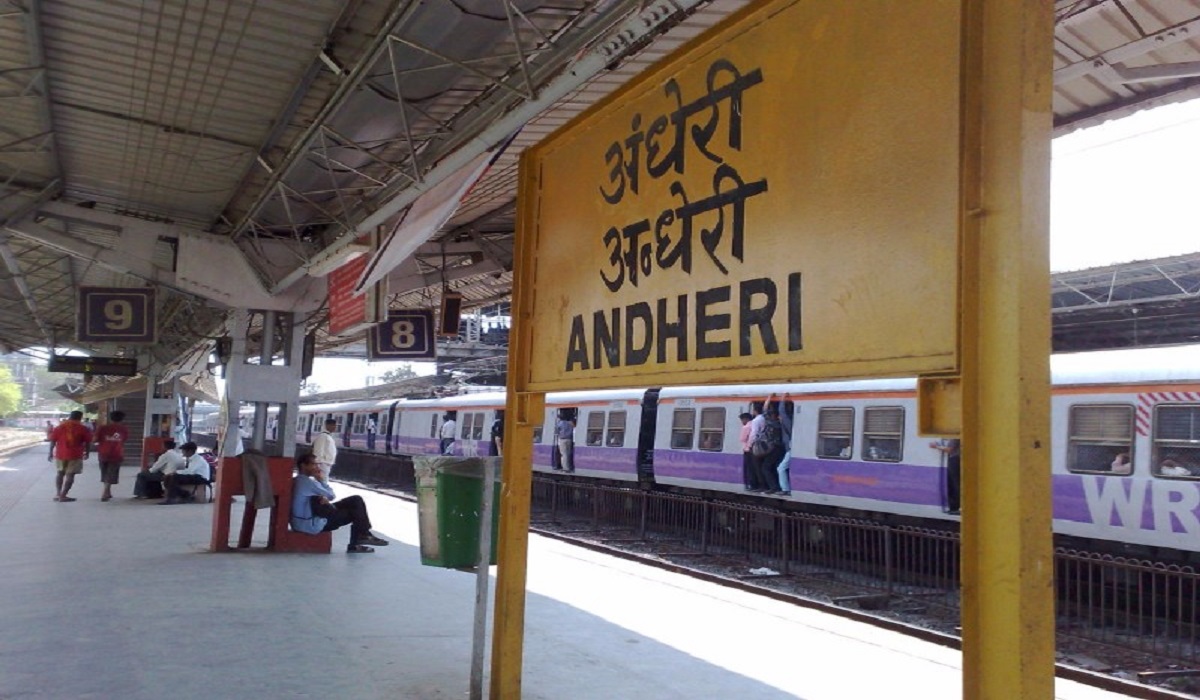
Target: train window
(1177, 441)
(835, 433)
(300, 423)
(616, 429)
(360, 423)
(537, 435)
(468, 424)
(477, 429)
(595, 429)
(341, 422)
(433, 426)
(683, 428)
(712, 429)
(1100, 439)
(883, 434)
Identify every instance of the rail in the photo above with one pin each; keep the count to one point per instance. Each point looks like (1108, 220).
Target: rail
(1126, 604)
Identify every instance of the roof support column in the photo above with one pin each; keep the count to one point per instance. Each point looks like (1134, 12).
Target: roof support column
(1007, 570)
(264, 383)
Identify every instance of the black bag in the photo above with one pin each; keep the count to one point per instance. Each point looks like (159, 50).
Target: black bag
(769, 440)
(321, 508)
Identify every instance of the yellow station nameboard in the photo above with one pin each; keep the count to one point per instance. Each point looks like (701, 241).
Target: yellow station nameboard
(778, 200)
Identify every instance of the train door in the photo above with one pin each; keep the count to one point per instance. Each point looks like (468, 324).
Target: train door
(371, 425)
(346, 428)
(567, 413)
(496, 430)
(393, 427)
(645, 451)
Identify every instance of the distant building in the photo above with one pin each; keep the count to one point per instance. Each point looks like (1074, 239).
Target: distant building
(25, 372)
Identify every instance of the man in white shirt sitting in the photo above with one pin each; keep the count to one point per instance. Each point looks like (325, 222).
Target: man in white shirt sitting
(149, 482)
(193, 472)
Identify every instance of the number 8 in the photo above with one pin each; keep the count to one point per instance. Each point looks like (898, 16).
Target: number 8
(403, 335)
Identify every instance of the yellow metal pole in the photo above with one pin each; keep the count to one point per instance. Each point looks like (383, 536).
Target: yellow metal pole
(523, 411)
(1008, 605)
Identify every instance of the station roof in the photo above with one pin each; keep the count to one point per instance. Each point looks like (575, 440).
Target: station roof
(237, 150)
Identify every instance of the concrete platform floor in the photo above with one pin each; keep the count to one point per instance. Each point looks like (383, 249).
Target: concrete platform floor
(122, 600)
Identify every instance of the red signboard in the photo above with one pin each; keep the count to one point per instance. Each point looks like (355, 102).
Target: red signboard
(347, 310)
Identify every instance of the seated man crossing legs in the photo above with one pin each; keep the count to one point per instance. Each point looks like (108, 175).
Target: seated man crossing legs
(314, 510)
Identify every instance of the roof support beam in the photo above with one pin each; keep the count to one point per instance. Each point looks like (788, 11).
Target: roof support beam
(503, 119)
(1134, 49)
(111, 258)
(417, 280)
(18, 279)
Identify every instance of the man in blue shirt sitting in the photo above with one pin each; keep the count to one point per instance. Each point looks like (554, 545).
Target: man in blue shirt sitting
(314, 511)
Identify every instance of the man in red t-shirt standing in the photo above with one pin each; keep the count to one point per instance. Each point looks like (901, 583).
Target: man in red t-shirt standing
(71, 439)
(110, 449)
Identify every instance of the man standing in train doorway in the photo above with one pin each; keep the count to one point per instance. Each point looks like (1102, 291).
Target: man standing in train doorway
(446, 447)
(564, 432)
(372, 428)
(951, 451)
(324, 447)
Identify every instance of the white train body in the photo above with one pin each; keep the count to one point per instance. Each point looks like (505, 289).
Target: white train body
(854, 444)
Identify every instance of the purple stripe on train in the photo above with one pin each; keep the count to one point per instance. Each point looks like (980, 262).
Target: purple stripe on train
(617, 460)
(883, 481)
(715, 467)
(418, 446)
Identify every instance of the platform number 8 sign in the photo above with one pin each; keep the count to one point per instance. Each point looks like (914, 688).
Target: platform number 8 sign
(405, 335)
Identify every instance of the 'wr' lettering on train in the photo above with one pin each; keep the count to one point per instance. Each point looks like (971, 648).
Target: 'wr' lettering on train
(1122, 503)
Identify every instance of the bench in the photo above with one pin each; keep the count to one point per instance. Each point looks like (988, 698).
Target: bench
(281, 537)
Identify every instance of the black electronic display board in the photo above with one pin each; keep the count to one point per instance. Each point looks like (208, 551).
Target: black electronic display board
(115, 366)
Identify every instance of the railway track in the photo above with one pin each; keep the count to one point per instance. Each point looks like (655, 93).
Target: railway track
(924, 614)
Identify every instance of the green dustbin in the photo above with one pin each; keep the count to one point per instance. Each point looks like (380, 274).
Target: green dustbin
(449, 502)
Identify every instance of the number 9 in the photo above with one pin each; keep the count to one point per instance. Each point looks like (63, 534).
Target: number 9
(118, 315)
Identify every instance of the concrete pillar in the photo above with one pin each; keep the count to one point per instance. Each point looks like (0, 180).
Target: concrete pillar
(264, 383)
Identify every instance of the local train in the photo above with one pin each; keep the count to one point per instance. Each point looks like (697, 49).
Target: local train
(1125, 442)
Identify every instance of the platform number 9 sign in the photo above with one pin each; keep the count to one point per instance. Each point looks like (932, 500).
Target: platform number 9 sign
(119, 314)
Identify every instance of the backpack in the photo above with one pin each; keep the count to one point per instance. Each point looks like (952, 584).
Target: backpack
(769, 440)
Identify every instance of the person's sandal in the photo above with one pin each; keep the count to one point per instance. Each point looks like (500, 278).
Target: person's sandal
(372, 539)
(359, 549)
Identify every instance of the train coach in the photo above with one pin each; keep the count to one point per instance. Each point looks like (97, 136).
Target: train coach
(1125, 447)
(407, 427)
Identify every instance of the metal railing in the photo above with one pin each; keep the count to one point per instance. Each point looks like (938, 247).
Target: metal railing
(1122, 603)
(1128, 603)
